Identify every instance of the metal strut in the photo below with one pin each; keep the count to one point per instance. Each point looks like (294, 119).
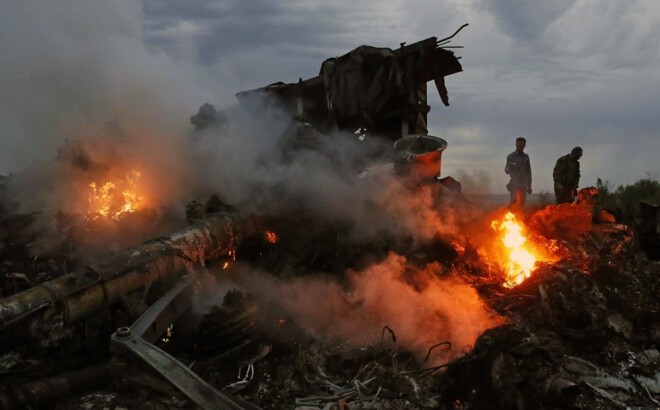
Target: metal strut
(137, 340)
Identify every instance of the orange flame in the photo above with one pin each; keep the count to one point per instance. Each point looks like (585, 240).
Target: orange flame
(104, 200)
(271, 237)
(521, 260)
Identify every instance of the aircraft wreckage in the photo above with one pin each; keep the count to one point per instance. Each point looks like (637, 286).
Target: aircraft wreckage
(380, 91)
(578, 328)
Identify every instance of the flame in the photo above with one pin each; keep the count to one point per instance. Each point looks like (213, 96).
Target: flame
(271, 237)
(105, 201)
(521, 260)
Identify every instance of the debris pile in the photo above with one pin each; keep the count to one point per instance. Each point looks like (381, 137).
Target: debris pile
(582, 331)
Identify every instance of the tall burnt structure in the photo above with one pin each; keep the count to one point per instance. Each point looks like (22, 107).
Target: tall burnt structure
(381, 90)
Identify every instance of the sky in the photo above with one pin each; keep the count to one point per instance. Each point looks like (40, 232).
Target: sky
(560, 73)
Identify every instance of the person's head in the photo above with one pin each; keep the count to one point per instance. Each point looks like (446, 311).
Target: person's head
(576, 152)
(521, 143)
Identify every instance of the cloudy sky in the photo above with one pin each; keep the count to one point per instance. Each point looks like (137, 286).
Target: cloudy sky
(560, 73)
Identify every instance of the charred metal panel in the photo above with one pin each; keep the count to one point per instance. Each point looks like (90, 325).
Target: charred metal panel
(379, 89)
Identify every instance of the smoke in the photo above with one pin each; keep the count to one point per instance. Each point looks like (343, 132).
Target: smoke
(433, 309)
(69, 68)
(248, 162)
(79, 71)
(84, 100)
(476, 181)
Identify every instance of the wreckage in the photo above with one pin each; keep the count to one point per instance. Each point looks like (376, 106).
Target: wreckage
(377, 89)
(370, 90)
(47, 311)
(50, 307)
(601, 288)
(579, 329)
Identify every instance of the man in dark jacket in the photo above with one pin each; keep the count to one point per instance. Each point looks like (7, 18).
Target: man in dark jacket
(567, 176)
(518, 167)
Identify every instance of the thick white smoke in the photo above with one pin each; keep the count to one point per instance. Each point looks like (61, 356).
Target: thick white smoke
(70, 66)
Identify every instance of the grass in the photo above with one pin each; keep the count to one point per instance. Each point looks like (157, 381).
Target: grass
(623, 202)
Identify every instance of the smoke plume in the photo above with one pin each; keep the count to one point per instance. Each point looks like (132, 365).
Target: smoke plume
(84, 100)
(434, 309)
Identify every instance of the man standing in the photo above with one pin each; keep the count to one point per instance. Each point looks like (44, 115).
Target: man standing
(518, 167)
(567, 176)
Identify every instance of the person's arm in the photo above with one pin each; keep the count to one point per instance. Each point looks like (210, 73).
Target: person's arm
(557, 171)
(510, 165)
(576, 179)
(528, 170)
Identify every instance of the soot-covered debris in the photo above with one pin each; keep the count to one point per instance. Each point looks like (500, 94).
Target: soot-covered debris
(582, 332)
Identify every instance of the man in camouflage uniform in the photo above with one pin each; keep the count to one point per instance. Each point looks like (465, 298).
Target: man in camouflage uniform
(567, 176)
(518, 167)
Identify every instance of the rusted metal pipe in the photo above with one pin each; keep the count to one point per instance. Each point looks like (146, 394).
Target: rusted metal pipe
(57, 303)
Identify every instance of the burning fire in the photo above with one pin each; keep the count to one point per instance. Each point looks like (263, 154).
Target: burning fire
(106, 200)
(271, 237)
(521, 260)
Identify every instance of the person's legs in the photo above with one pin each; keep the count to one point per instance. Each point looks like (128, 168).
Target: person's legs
(518, 198)
(560, 194)
(564, 197)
